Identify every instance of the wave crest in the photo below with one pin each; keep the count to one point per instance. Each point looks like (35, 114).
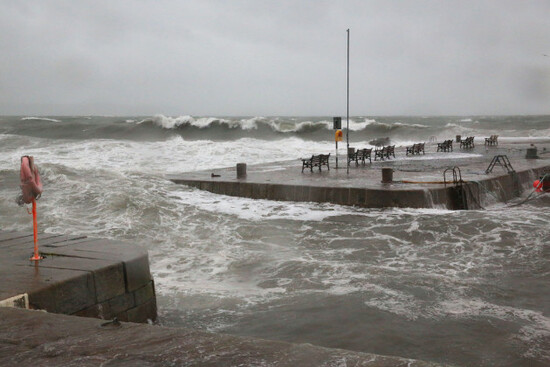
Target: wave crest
(39, 119)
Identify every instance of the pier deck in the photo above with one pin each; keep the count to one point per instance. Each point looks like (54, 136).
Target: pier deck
(78, 276)
(412, 185)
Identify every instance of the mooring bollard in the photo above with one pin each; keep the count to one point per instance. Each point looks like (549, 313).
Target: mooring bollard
(241, 170)
(387, 175)
(531, 153)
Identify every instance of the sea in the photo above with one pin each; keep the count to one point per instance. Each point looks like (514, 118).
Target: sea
(468, 288)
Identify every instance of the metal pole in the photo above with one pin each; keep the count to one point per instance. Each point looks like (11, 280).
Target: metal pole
(336, 154)
(347, 125)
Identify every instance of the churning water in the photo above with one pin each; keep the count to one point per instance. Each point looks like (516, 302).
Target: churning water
(468, 288)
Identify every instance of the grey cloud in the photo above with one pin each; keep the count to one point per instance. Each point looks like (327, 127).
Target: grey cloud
(274, 57)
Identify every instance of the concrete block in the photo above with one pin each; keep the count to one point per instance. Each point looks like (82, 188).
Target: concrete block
(109, 282)
(122, 316)
(5, 236)
(301, 193)
(43, 299)
(343, 194)
(207, 186)
(75, 294)
(246, 190)
(108, 275)
(137, 272)
(259, 191)
(144, 294)
(144, 312)
(121, 303)
(98, 311)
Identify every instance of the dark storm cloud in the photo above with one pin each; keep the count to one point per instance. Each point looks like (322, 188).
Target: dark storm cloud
(274, 57)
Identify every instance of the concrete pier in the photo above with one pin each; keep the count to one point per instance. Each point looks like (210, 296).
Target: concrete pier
(32, 338)
(417, 180)
(78, 276)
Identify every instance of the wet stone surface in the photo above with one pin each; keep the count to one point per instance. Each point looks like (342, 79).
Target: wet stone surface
(42, 339)
(417, 179)
(78, 275)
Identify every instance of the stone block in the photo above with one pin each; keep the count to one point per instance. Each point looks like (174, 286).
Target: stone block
(109, 282)
(206, 186)
(144, 312)
(122, 316)
(98, 311)
(246, 190)
(144, 294)
(6, 236)
(108, 275)
(121, 303)
(259, 191)
(137, 272)
(43, 299)
(75, 294)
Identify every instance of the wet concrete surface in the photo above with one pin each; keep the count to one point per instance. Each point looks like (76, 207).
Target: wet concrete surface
(78, 275)
(35, 338)
(415, 177)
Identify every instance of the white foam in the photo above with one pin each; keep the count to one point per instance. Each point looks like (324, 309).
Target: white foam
(39, 119)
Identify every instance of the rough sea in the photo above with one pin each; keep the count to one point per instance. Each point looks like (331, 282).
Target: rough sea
(469, 288)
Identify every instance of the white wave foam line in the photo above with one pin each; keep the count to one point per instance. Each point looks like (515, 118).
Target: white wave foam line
(258, 210)
(173, 122)
(172, 156)
(402, 124)
(395, 125)
(39, 119)
(437, 156)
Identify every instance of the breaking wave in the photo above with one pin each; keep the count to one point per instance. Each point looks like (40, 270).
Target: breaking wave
(39, 119)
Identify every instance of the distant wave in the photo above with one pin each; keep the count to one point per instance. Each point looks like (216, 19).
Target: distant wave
(40, 119)
(396, 125)
(280, 125)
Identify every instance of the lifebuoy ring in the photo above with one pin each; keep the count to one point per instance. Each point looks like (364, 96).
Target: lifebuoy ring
(30, 180)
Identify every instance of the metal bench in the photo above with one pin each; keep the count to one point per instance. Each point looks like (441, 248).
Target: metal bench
(467, 143)
(492, 140)
(316, 161)
(446, 146)
(415, 149)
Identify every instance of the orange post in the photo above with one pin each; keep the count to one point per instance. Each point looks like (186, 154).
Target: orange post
(36, 255)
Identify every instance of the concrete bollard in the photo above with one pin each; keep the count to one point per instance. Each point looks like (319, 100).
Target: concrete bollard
(531, 153)
(387, 175)
(458, 138)
(241, 170)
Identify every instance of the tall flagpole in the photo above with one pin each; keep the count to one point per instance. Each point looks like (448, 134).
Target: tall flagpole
(347, 125)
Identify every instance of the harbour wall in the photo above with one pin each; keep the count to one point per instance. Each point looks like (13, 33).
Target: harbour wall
(78, 276)
(469, 195)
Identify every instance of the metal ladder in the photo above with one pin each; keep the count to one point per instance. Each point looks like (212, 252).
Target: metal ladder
(502, 161)
(457, 176)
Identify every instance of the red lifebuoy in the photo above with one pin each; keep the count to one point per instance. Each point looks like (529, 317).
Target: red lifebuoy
(537, 185)
(30, 180)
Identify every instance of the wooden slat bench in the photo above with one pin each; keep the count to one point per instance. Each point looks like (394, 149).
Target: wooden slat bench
(467, 143)
(362, 155)
(416, 149)
(384, 152)
(492, 140)
(446, 146)
(316, 161)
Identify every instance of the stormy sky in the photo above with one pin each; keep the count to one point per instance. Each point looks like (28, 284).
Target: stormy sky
(254, 57)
